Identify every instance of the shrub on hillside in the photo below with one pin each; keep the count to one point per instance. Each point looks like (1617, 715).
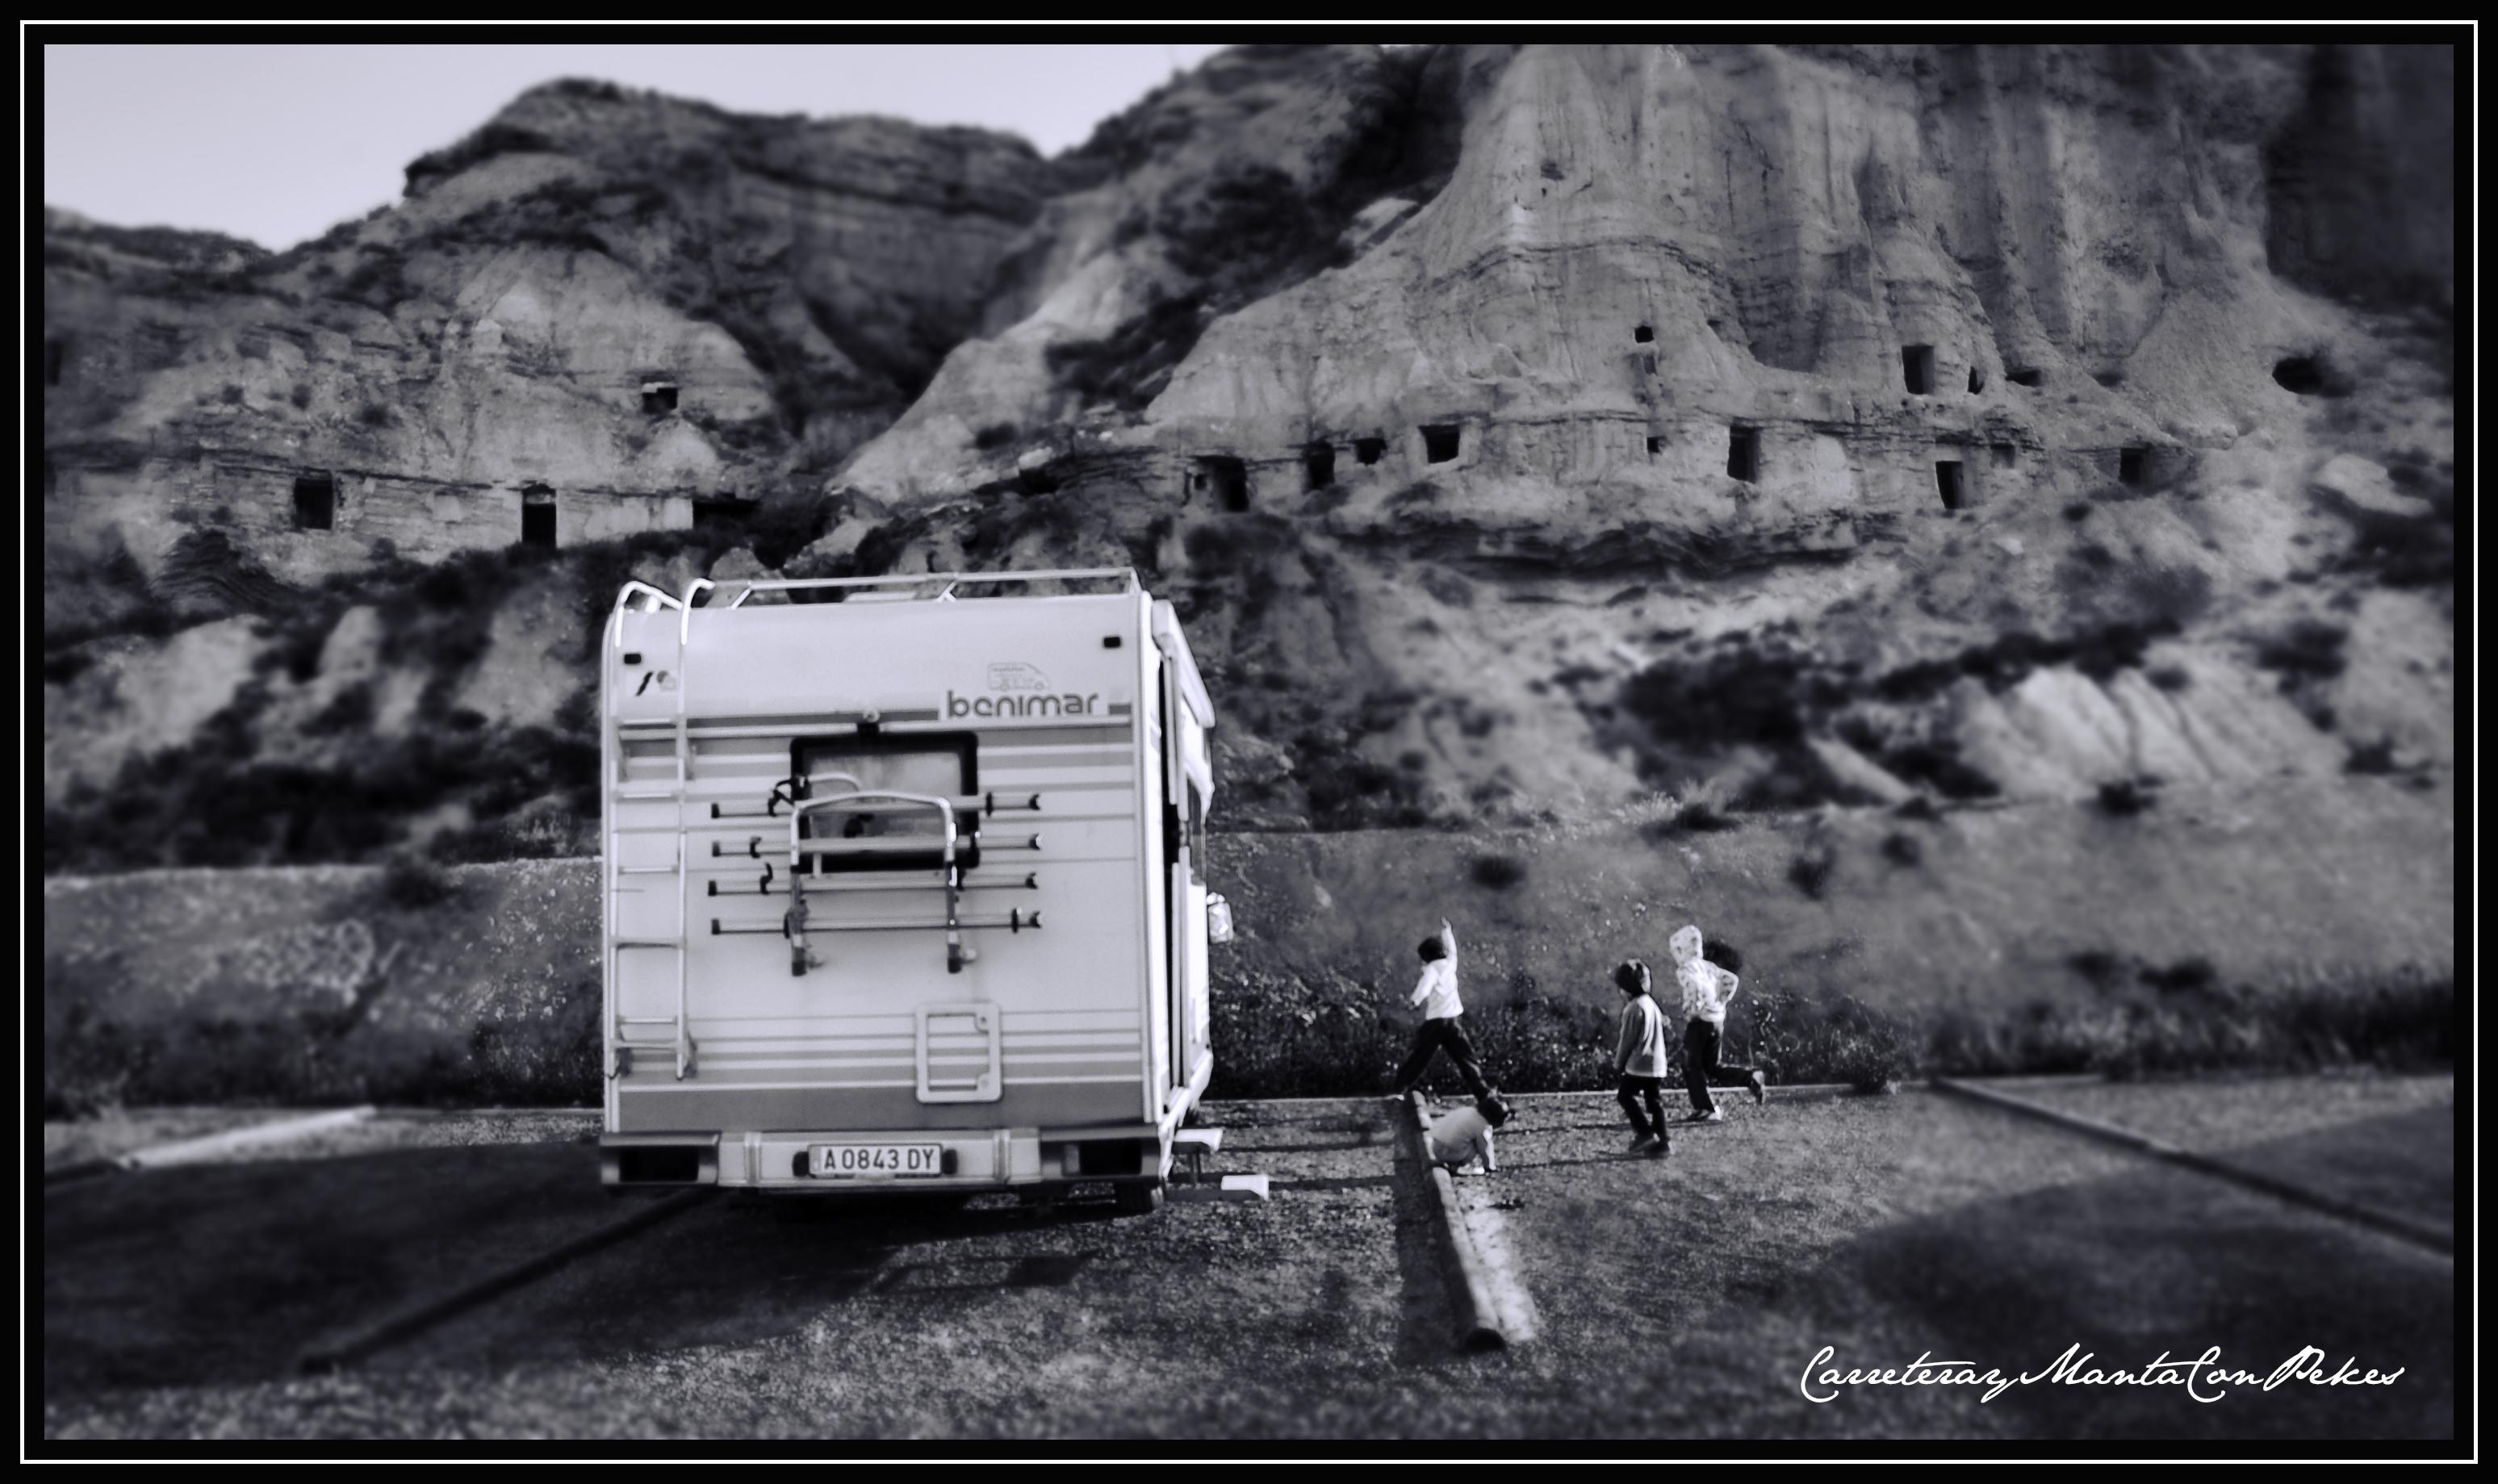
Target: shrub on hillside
(411, 883)
(2125, 797)
(1499, 872)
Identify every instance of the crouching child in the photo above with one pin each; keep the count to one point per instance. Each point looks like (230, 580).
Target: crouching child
(1639, 1061)
(1460, 1139)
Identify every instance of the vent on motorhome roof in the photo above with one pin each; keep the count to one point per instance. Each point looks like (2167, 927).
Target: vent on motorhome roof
(1744, 452)
(1227, 478)
(1918, 361)
(316, 501)
(1947, 483)
(2026, 376)
(538, 515)
(2129, 467)
(1439, 442)
(1368, 450)
(658, 398)
(1977, 380)
(1318, 465)
(1643, 334)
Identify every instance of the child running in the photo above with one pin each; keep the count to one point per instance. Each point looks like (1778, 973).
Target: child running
(1436, 992)
(1640, 1061)
(1706, 990)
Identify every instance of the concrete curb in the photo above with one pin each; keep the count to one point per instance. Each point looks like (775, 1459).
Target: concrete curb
(83, 1169)
(189, 1151)
(280, 1131)
(1803, 1091)
(432, 1311)
(1470, 1289)
(2418, 1233)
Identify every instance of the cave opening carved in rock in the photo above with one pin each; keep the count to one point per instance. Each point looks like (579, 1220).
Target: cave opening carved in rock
(2026, 376)
(538, 515)
(1744, 452)
(1977, 380)
(316, 502)
(1918, 362)
(1947, 483)
(658, 398)
(1643, 334)
(1366, 451)
(2129, 465)
(2307, 376)
(1226, 479)
(1439, 442)
(1318, 466)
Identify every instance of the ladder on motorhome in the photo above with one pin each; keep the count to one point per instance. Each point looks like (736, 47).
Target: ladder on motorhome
(629, 1034)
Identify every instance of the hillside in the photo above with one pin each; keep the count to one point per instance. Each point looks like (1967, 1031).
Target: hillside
(1519, 430)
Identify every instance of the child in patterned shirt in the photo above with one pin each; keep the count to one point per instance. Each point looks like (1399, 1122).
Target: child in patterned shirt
(1706, 990)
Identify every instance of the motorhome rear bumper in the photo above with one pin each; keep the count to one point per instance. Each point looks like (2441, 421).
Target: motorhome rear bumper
(981, 1159)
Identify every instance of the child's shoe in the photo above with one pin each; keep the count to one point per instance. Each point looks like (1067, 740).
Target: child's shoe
(1712, 1116)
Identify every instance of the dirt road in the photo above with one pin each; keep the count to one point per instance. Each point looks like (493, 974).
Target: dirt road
(1681, 1298)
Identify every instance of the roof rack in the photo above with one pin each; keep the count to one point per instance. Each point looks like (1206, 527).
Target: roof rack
(943, 583)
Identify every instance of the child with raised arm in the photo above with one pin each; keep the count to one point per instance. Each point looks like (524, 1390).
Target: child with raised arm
(1706, 990)
(1639, 1061)
(1442, 1030)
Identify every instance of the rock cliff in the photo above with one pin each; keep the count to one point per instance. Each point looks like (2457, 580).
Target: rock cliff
(1516, 428)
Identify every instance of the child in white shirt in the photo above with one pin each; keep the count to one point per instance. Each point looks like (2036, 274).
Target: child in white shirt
(1706, 990)
(1443, 1027)
(1460, 1139)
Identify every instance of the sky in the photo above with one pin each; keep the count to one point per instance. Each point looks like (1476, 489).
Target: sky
(276, 143)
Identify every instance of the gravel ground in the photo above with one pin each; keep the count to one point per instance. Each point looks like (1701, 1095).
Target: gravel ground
(1676, 1298)
(1916, 1225)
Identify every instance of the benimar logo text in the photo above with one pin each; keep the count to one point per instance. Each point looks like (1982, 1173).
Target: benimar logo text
(1023, 684)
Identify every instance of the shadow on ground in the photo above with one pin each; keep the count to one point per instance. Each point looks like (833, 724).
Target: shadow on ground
(2167, 1263)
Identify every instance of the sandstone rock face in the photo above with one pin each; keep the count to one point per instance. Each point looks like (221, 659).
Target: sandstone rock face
(610, 305)
(1516, 428)
(1674, 309)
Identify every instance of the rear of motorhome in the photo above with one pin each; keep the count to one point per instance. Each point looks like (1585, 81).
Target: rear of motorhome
(904, 884)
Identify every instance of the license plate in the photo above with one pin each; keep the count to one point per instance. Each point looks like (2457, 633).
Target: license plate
(877, 1161)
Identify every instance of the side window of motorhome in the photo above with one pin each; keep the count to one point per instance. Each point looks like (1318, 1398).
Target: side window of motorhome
(1195, 835)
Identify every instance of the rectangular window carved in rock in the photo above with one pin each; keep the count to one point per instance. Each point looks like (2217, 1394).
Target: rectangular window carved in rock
(1744, 452)
(1947, 483)
(1918, 361)
(316, 502)
(538, 516)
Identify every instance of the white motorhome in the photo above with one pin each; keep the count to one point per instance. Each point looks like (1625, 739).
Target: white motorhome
(904, 884)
